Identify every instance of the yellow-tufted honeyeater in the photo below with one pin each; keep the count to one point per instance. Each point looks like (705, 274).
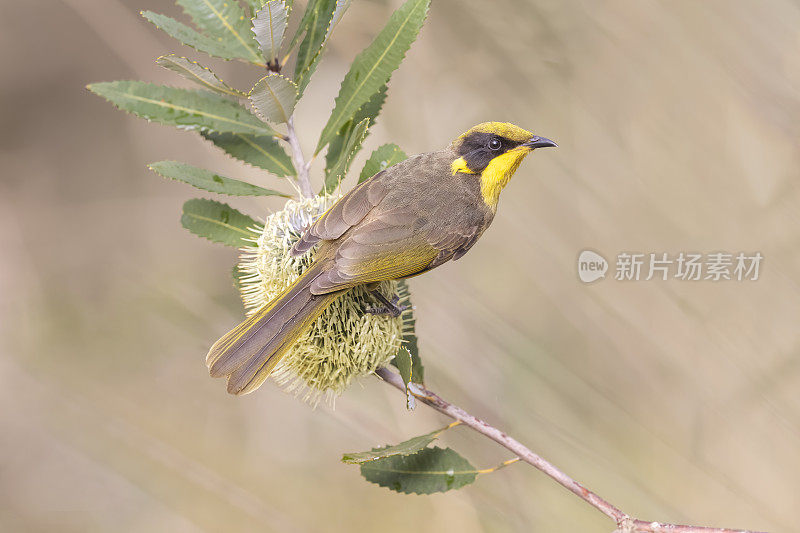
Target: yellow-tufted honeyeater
(403, 221)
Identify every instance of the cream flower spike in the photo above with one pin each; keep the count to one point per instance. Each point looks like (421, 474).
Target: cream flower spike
(345, 342)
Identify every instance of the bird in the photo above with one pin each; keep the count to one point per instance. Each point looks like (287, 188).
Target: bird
(405, 220)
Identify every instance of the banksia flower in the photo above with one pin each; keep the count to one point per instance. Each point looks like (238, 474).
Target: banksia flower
(346, 341)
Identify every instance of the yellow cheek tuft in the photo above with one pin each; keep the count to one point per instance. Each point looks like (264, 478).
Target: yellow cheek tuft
(498, 173)
(460, 165)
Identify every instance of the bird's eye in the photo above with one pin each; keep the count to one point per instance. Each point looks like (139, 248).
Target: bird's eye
(495, 144)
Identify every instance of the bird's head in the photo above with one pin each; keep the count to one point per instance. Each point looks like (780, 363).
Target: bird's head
(493, 151)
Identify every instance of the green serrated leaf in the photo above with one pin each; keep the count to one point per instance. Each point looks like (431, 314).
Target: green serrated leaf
(217, 222)
(315, 23)
(189, 36)
(409, 334)
(187, 109)
(209, 181)
(403, 362)
(323, 16)
(226, 21)
(408, 447)
(338, 13)
(256, 5)
(197, 73)
(417, 370)
(260, 151)
(352, 146)
(308, 14)
(369, 110)
(428, 471)
(269, 25)
(381, 159)
(274, 97)
(373, 67)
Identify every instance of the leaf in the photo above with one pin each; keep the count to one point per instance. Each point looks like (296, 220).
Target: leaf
(197, 73)
(269, 25)
(274, 97)
(187, 109)
(217, 222)
(318, 22)
(408, 447)
(369, 110)
(260, 151)
(425, 472)
(315, 23)
(189, 36)
(256, 5)
(402, 360)
(417, 370)
(209, 181)
(341, 7)
(409, 334)
(381, 159)
(373, 67)
(352, 146)
(226, 21)
(304, 22)
(403, 363)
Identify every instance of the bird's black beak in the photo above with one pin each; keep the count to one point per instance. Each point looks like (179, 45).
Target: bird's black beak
(539, 142)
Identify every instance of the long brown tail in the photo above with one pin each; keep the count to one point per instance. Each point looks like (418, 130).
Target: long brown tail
(248, 353)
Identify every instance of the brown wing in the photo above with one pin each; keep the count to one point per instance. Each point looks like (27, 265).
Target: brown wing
(394, 244)
(455, 243)
(384, 248)
(344, 214)
(405, 220)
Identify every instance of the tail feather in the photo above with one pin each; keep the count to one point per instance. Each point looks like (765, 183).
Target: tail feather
(252, 374)
(249, 352)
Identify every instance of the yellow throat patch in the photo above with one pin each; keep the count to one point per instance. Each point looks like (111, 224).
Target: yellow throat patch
(498, 173)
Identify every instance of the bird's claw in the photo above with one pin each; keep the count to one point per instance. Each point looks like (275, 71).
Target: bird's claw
(390, 307)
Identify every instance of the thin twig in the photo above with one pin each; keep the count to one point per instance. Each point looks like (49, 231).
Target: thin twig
(625, 523)
(299, 161)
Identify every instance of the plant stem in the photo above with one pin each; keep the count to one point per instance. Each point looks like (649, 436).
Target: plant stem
(625, 524)
(299, 161)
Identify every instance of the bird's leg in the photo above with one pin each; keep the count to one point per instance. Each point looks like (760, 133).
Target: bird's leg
(388, 307)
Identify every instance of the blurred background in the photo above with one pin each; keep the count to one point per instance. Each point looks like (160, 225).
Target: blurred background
(678, 125)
